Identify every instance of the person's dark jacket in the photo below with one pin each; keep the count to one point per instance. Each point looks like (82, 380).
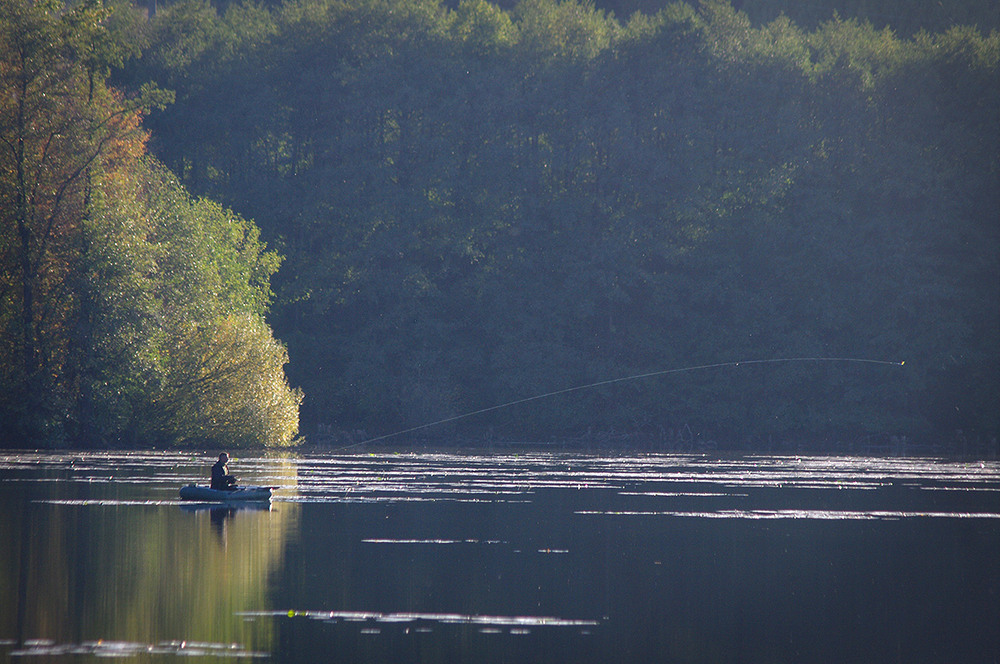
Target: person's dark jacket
(221, 479)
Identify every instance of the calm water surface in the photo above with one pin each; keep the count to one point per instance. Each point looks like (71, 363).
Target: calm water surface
(509, 558)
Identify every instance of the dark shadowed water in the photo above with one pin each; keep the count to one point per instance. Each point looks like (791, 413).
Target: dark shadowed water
(510, 558)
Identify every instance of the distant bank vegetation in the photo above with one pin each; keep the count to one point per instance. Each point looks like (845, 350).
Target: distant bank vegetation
(477, 203)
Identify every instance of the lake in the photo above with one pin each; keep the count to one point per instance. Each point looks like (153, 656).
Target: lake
(530, 557)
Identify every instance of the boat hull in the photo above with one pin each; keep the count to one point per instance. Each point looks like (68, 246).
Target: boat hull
(206, 494)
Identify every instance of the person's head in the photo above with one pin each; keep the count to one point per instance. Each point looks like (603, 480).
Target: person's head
(223, 457)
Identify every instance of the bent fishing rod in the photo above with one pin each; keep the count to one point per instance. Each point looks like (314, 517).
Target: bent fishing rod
(612, 381)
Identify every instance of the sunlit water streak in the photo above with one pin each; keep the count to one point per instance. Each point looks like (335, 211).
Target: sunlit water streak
(430, 541)
(378, 617)
(107, 503)
(832, 515)
(511, 478)
(436, 477)
(125, 649)
(682, 494)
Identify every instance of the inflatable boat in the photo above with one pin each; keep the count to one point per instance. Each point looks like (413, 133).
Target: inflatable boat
(204, 493)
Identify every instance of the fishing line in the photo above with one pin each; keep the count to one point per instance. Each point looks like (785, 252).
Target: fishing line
(612, 381)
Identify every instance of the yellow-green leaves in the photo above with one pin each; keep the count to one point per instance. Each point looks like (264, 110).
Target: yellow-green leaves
(224, 384)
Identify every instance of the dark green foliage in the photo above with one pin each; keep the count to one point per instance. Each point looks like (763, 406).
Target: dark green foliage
(480, 205)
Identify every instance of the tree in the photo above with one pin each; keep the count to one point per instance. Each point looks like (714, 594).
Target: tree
(105, 263)
(181, 351)
(57, 125)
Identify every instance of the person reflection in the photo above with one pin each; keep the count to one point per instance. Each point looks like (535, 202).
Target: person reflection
(219, 517)
(221, 479)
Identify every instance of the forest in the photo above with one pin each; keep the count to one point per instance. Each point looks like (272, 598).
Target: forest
(472, 204)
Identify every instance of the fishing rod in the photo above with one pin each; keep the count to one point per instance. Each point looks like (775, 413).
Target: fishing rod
(612, 381)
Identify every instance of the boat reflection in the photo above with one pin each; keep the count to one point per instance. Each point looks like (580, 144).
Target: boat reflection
(221, 514)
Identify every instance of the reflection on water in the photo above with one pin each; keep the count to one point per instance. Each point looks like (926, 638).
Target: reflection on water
(527, 557)
(803, 514)
(441, 618)
(221, 515)
(119, 649)
(99, 559)
(430, 541)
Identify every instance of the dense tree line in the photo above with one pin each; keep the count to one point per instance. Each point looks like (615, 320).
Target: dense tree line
(479, 205)
(904, 17)
(130, 312)
(482, 203)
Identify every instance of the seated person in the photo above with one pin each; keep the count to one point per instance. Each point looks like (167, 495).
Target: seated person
(221, 479)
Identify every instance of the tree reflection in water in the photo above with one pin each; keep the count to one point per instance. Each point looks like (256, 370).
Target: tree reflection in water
(96, 557)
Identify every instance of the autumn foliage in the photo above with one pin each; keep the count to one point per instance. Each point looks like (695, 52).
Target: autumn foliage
(107, 265)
